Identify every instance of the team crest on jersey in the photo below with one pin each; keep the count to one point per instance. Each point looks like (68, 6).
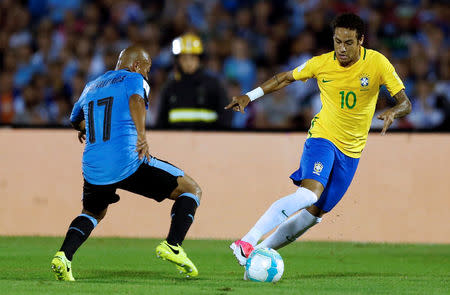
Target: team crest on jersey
(364, 80)
(318, 168)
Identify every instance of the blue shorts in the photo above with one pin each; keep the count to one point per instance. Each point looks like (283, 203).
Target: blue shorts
(324, 162)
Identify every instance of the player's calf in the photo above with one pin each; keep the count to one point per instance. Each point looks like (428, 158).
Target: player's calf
(291, 229)
(78, 232)
(279, 211)
(187, 197)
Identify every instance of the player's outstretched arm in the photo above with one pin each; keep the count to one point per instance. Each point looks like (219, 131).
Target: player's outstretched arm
(138, 111)
(401, 109)
(238, 103)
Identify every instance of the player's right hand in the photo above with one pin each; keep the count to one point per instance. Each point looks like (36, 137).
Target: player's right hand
(238, 103)
(142, 148)
(81, 136)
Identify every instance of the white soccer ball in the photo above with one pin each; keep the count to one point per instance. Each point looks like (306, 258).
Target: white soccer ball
(264, 265)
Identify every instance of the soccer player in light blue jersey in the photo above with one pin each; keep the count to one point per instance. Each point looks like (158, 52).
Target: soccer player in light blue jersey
(110, 117)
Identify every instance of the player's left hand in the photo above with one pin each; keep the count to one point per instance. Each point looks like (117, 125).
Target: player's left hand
(388, 116)
(82, 136)
(142, 148)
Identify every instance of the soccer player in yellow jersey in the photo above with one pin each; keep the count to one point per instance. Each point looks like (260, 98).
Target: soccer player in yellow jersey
(349, 80)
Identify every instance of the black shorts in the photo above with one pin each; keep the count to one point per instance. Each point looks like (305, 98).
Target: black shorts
(155, 180)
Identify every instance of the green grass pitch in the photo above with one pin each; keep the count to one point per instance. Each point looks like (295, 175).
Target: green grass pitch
(129, 266)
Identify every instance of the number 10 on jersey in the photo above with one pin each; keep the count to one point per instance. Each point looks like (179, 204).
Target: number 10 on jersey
(345, 98)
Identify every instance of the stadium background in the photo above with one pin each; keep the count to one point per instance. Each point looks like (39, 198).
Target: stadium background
(49, 49)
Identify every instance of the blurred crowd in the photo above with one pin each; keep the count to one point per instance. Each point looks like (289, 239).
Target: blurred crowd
(49, 49)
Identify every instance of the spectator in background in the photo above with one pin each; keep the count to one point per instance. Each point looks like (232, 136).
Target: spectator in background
(239, 65)
(32, 108)
(298, 10)
(42, 57)
(276, 111)
(7, 105)
(37, 8)
(19, 20)
(78, 83)
(110, 39)
(301, 49)
(58, 8)
(58, 94)
(24, 71)
(424, 113)
(241, 68)
(240, 37)
(320, 29)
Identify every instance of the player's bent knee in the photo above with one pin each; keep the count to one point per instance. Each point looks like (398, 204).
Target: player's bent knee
(186, 185)
(99, 216)
(316, 211)
(313, 185)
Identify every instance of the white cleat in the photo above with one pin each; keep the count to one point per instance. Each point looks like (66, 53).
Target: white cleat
(241, 250)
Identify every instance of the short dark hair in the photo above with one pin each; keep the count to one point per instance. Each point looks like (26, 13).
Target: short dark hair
(349, 21)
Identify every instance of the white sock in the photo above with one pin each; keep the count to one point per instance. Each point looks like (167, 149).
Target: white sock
(290, 230)
(279, 212)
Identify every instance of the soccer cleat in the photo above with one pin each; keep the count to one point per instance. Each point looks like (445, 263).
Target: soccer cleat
(62, 267)
(241, 251)
(176, 255)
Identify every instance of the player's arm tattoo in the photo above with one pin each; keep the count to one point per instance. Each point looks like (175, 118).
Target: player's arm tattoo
(403, 106)
(277, 82)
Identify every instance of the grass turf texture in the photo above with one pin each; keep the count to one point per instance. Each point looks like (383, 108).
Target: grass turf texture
(129, 266)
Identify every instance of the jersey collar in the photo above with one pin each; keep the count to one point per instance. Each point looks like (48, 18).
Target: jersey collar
(362, 56)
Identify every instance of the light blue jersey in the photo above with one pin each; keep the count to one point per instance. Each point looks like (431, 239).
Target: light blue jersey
(110, 152)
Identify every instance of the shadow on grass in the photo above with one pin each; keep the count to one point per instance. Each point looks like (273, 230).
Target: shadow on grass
(107, 276)
(347, 274)
(132, 275)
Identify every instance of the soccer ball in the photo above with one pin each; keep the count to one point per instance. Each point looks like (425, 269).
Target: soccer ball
(264, 265)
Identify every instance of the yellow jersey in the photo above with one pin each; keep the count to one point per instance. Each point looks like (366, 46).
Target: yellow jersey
(349, 96)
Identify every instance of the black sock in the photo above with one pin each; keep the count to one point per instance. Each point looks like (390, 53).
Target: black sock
(79, 230)
(183, 212)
